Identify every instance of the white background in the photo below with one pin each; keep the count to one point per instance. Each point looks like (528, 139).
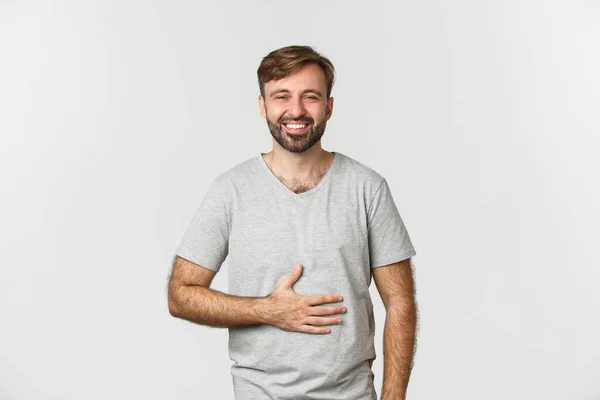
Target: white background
(116, 116)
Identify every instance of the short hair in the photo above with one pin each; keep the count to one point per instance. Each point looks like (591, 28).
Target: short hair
(284, 61)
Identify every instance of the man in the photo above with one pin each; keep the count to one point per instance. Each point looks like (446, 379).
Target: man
(304, 231)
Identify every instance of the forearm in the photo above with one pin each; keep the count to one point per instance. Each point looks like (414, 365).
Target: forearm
(398, 348)
(213, 308)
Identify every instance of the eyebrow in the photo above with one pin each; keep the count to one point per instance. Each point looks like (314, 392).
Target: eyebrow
(315, 91)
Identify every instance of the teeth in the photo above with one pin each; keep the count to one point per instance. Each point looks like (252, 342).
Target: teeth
(295, 126)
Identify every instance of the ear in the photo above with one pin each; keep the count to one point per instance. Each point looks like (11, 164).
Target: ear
(261, 105)
(329, 109)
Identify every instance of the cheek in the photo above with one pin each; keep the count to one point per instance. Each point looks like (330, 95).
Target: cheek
(272, 115)
(319, 114)
(273, 112)
(275, 118)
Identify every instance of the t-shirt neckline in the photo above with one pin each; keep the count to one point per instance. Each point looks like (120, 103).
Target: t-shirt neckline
(326, 178)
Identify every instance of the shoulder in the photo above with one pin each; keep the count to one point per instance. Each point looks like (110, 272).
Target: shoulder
(360, 175)
(238, 175)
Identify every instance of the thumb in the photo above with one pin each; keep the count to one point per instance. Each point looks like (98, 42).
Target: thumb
(289, 281)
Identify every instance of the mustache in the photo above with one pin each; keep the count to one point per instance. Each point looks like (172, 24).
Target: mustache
(306, 119)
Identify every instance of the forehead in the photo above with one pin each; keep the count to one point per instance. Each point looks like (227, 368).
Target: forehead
(309, 76)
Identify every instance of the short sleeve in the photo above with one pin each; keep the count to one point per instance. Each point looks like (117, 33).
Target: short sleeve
(206, 241)
(389, 241)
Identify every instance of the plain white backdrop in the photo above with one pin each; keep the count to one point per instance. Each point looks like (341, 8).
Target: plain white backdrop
(116, 116)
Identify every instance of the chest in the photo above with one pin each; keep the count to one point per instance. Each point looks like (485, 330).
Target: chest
(328, 234)
(325, 222)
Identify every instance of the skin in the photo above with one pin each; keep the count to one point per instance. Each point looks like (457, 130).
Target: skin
(300, 162)
(396, 286)
(191, 298)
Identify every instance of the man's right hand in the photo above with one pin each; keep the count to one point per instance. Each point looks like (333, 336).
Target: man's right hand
(293, 312)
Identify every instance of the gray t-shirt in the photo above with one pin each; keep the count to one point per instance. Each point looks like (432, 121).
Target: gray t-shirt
(338, 231)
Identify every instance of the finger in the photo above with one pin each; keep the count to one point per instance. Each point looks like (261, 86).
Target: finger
(320, 321)
(324, 298)
(289, 281)
(314, 329)
(326, 310)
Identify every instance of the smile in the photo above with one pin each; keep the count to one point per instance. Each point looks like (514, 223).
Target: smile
(296, 128)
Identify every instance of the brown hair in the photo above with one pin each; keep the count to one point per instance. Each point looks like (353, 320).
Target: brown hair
(287, 60)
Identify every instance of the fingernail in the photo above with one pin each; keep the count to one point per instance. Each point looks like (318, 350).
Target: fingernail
(343, 310)
(340, 298)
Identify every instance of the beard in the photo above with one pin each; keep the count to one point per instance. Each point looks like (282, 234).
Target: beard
(296, 143)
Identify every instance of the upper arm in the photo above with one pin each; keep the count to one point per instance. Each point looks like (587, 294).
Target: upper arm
(394, 282)
(388, 237)
(190, 274)
(206, 240)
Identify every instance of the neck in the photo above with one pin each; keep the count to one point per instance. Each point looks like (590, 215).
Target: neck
(312, 163)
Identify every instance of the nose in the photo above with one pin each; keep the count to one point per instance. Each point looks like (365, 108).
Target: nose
(296, 108)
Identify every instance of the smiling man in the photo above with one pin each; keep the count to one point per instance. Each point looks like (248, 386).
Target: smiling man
(296, 131)
(304, 231)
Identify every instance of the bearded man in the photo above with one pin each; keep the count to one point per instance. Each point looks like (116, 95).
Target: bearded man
(304, 231)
